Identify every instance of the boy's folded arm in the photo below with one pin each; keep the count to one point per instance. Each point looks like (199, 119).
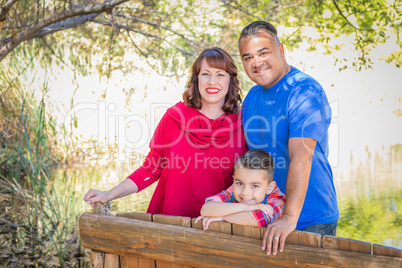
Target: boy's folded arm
(265, 208)
(242, 218)
(220, 209)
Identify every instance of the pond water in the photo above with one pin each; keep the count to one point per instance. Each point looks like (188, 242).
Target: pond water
(369, 195)
(370, 200)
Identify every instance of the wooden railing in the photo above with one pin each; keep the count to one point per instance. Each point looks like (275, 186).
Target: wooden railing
(145, 240)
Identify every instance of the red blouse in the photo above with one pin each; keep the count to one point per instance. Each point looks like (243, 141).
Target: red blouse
(192, 156)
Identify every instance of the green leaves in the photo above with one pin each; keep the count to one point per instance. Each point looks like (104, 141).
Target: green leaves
(169, 36)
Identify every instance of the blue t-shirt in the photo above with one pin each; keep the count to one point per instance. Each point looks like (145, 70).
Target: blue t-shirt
(296, 106)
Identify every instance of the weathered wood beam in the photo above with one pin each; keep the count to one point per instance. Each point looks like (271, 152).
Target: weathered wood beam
(190, 246)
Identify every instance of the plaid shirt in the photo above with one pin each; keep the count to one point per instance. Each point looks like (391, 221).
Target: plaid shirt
(276, 199)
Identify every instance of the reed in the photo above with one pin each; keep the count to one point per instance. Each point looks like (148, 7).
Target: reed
(34, 211)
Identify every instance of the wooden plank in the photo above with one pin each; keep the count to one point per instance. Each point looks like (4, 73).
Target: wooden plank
(262, 231)
(386, 251)
(334, 242)
(172, 220)
(359, 246)
(146, 263)
(197, 225)
(129, 262)
(197, 248)
(247, 231)
(137, 216)
(97, 259)
(111, 261)
(218, 226)
(293, 238)
(309, 239)
(163, 264)
(140, 262)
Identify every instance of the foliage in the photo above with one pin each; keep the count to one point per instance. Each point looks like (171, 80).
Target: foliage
(28, 134)
(170, 34)
(369, 23)
(153, 30)
(54, 242)
(35, 218)
(38, 197)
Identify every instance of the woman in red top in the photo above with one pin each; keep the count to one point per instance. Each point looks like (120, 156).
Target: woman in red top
(195, 144)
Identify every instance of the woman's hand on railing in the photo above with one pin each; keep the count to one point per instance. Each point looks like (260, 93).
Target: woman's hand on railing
(96, 196)
(126, 187)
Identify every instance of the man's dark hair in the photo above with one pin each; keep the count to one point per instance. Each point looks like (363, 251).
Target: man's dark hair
(257, 26)
(257, 159)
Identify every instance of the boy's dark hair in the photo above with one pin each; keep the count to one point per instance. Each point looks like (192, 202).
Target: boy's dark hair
(257, 159)
(257, 26)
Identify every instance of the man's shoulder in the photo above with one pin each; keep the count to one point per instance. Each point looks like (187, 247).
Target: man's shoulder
(299, 78)
(254, 89)
(251, 94)
(300, 84)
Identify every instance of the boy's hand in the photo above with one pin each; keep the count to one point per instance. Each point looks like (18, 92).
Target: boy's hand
(206, 221)
(198, 219)
(267, 209)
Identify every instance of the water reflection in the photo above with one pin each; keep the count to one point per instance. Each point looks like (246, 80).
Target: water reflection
(370, 199)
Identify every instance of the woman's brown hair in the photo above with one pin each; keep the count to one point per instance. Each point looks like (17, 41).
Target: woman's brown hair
(216, 58)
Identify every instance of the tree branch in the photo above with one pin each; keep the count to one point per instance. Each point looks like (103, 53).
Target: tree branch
(16, 27)
(4, 9)
(160, 26)
(60, 26)
(135, 45)
(119, 26)
(64, 25)
(3, 94)
(54, 53)
(347, 20)
(13, 41)
(242, 10)
(140, 32)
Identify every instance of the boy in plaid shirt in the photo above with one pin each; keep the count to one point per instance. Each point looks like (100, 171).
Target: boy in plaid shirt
(253, 199)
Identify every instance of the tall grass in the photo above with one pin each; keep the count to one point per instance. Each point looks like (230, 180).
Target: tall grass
(34, 213)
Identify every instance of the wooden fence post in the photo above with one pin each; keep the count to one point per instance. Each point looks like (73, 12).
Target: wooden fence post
(101, 259)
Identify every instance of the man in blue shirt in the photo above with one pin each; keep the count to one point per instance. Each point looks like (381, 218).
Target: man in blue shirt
(287, 114)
